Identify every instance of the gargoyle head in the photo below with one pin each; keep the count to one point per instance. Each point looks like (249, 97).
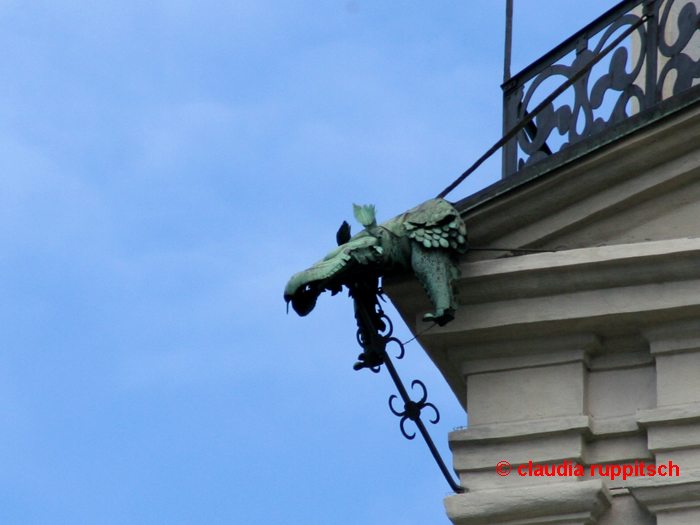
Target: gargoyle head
(340, 267)
(359, 254)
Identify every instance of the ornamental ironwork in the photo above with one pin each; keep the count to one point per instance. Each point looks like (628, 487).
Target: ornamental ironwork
(658, 60)
(374, 334)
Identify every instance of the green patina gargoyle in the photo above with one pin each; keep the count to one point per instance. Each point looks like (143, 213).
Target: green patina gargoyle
(427, 240)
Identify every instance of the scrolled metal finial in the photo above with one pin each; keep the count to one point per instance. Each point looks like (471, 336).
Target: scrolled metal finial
(412, 409)
(374, 340)
(389, 326)
(403, 415)
(401, 346)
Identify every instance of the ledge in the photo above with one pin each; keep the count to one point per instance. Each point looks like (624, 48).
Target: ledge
(518, 430)
(614, 426)
(557, 301)
(578, 290)
(672, 494)
(674, 338)
(671, 415)
(578, 502)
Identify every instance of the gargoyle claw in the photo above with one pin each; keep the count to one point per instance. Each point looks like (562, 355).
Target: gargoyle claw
(441, 317)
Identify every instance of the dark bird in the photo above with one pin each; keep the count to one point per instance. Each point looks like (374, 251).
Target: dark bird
(343, 234)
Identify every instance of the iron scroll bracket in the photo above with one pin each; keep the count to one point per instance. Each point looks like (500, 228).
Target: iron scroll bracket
(374, 333)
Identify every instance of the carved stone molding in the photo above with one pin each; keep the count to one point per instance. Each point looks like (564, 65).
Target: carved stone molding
(579, 503)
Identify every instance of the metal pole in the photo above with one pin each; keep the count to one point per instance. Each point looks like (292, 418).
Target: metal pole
(421, 427)
(376, 343)
(509, 40)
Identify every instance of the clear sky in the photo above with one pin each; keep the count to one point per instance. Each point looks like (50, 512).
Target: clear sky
(165, 167)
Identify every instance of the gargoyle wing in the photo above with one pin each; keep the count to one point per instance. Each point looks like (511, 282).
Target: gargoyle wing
(436, 224)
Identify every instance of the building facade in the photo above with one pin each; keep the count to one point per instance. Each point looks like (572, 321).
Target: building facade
(579, 365)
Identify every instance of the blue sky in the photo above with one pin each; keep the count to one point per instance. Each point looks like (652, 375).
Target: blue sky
(165, 167)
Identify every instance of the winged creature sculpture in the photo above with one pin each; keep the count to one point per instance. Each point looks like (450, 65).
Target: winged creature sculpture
(426, 240)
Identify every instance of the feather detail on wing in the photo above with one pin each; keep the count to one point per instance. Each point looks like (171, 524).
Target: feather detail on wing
(439, 227)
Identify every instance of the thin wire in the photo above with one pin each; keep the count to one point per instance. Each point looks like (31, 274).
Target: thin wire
(419, 334)
(526, 250)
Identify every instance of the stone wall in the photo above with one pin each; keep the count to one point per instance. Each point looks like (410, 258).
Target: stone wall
(586, 355)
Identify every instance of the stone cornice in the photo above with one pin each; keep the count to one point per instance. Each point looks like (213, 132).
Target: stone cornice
(528, 293)
(674, 494)
(539, 299)
(531, 505)
(601, 183)
(670, 415)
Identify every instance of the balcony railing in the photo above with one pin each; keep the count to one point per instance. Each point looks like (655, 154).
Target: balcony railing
(657, 62)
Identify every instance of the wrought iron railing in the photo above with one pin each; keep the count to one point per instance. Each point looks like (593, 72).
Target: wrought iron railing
(657, 61)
